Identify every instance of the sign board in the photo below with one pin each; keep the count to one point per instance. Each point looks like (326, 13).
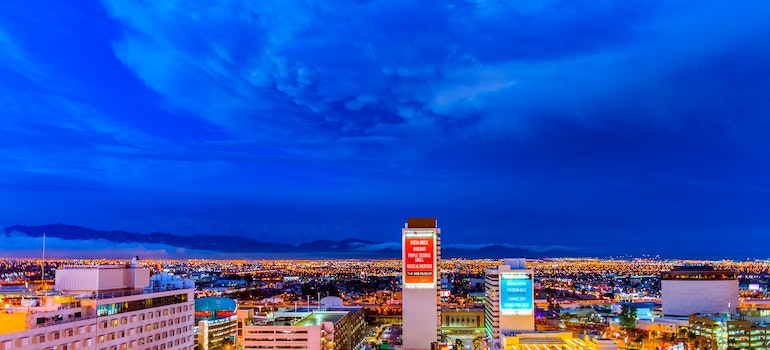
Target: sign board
(419, 259)
(516, 293)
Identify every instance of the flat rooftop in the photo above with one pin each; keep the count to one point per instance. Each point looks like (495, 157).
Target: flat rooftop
(318, 317)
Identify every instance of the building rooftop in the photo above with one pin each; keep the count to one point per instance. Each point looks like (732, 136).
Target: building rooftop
(318, 317)
(215, 304)
(421, 223)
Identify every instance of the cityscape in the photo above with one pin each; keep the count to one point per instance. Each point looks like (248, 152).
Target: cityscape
(384, 174)
(418, 302)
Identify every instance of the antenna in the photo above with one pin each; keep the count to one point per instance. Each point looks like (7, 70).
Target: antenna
(43, 263)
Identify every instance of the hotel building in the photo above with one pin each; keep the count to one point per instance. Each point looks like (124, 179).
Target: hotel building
(509, 300)
(421, 242)
(102, 307)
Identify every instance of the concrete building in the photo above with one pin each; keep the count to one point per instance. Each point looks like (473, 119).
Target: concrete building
(215, 321)
(421, 242)
(554, 340)
(464, 324)
(509, 300)
(687, 290)
(103, 307)
(721, 331)
(338, 329)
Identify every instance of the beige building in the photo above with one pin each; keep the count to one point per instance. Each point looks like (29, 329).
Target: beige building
(104, 307)
(331, 329)
(554, 340)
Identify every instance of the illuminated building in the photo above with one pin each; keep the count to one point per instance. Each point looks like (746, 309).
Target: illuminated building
(421, 251)
(103, 307)
(466, 324)
(215, 321)
(687, 290)
(554, 340)
(334, 328)
(509, 299)
(721, 331)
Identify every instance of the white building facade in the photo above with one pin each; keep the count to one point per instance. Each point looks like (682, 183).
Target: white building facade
(698, 289)
(509, 303)
(421, 251)
(105, 307)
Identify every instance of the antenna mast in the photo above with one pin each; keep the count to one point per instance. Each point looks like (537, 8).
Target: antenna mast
(43, 264)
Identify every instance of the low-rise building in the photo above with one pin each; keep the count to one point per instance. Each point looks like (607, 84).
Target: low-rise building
(215, 321)
(730, 331)
(332, 328)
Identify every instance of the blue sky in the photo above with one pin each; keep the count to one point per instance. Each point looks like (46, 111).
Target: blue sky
(637, 125)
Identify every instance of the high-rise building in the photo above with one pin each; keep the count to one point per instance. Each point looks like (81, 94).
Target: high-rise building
(103, 307)
(509, 299)
(421, 252)
(687, 290)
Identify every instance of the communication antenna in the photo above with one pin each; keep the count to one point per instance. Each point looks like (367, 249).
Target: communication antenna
(43, 263)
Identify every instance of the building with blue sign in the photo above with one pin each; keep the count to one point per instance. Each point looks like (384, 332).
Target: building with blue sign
(509, 303)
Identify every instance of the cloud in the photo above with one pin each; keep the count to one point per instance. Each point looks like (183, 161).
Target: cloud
(350, 68)
(17, 244)
(533, 248)
(304, 77)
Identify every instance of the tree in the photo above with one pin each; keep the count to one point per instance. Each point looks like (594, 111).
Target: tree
(627, 317)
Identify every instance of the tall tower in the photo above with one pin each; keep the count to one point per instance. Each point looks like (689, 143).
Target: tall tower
(509, 298)
(421, 244)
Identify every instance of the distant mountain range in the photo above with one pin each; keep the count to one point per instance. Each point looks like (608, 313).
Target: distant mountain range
(350, 248)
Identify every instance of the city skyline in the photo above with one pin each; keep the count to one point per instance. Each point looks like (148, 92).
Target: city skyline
(635, 128)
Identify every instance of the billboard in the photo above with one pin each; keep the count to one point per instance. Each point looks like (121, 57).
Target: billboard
(516, 293)
(419, 259)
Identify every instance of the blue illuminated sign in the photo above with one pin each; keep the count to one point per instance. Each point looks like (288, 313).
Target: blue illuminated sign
(516, 294)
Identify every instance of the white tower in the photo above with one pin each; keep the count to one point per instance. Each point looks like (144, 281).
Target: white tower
(420, 255)
(509, 298)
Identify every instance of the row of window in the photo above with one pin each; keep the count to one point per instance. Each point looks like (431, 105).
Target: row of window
(136, 305)
(135, 343)
(129, 345)
(259, 330)
(130, 332)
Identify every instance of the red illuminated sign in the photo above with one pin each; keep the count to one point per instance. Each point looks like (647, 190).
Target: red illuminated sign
(418, 260)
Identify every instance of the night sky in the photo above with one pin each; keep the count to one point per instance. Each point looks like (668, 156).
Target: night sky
(632, 126)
